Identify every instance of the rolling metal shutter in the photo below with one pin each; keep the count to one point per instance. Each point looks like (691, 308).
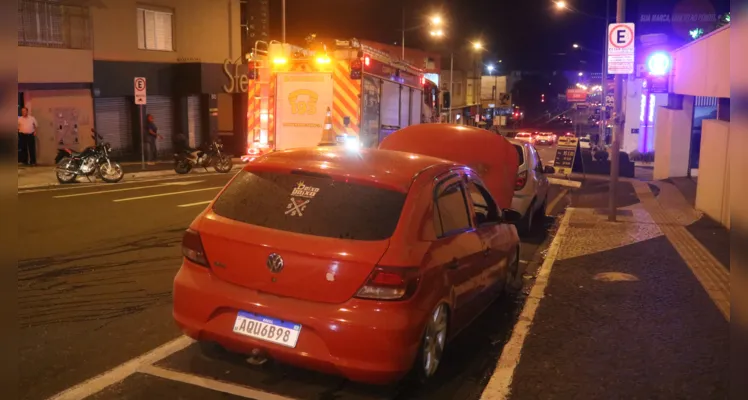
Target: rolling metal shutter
(194, 122)
(162, 109)
(417, 104)
(404, 106)
(390, 115)
(114, 123)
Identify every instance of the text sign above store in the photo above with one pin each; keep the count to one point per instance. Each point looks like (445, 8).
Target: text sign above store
(139, 87)
(621, 48)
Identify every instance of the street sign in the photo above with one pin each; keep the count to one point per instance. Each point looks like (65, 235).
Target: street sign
(621, 48)
(565, 152)
(139, 87)
(576, 95)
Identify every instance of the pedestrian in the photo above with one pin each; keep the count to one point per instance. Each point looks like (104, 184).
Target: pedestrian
(27, 136)
(150, 139)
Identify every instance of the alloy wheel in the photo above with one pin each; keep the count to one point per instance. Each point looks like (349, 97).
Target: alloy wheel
(434, 340)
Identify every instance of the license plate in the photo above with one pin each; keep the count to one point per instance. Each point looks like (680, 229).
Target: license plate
(268, 329)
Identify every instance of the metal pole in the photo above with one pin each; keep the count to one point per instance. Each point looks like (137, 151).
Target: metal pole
(617, 128)
(604, 76)
(402, 40)
(451, 94)
(283, 22)
(142, 137)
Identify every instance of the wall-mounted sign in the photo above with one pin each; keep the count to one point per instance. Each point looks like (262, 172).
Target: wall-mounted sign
(258, 20)
(238, 76)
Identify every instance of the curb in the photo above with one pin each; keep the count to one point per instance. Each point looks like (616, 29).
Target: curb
(131, 176)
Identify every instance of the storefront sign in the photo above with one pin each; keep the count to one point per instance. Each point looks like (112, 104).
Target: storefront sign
(238, 77)
(576, 95)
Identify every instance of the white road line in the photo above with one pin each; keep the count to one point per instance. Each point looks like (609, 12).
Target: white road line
(119, 373)
(211, 384)
(128, 189)
(500, 383)
(199, 203)
(167, 194)
(565, 182)
(549, 208)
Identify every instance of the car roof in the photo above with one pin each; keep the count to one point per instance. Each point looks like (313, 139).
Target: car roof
(518, 142)
(393, 169)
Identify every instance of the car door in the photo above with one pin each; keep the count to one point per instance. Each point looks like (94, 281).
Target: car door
(541, 181)
(458, 248)
(497, 240)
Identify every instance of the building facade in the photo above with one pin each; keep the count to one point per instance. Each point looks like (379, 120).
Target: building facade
(77, 61)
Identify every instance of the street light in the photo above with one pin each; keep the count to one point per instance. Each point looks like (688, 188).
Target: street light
(436, 20)
(560, 5)
(437, 33)
(490, 68)
(581, 74)
(576, 46)
(477, 46)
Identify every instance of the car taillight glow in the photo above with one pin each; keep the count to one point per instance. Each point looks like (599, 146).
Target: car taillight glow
(192, 248)
(521, 181)
(389, 284)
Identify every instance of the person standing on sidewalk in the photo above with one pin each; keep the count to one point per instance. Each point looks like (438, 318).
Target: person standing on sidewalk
(27, 136)
(151, 139)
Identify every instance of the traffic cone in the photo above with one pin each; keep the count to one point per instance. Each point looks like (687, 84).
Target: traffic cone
(328, 135)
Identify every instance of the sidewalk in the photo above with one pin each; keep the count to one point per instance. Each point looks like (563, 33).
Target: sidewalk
(44, 176)
(636, 309)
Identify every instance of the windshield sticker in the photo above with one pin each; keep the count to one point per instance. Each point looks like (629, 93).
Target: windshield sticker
(296, 207)
(302, 190)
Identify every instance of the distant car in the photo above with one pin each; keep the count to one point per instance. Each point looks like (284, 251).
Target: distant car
(546, 138)
(363, 263)
(524, 136)
(531, 186)
(584, 143)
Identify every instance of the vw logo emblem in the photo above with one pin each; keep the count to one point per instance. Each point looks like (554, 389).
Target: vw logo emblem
(275, 263)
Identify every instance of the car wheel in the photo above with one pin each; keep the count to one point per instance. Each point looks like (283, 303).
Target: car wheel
(525, 225)
(432, 344)
(513, 284)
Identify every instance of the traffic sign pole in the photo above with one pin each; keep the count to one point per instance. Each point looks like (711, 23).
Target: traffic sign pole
(139, 88)
(618, 122)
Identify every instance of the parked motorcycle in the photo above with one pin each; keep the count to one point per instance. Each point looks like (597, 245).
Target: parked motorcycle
(92, 161)
(212, 155)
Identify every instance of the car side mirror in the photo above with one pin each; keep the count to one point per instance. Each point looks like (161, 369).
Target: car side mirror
(549, 170)
(511, 216)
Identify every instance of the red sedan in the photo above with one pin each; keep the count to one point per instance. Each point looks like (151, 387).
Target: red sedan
(359, 263)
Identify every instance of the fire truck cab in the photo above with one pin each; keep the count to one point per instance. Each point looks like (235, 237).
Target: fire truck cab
(301, 97)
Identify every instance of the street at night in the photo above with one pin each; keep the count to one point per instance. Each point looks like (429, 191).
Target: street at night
(360, 200)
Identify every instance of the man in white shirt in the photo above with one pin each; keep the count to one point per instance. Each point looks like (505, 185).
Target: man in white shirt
(27, 136)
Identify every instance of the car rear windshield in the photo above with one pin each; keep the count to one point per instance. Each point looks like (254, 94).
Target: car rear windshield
(312, 205)
(520, 153)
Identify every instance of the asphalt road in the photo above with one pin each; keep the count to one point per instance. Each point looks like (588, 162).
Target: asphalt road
(94, 282)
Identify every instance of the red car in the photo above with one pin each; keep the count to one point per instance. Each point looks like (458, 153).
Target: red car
(359, 263)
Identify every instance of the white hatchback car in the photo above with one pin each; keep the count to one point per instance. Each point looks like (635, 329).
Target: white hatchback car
(531, 186)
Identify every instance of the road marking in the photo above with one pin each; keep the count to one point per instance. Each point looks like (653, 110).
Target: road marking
(119, 373)
(501, 380)
(128, 189)
(166, 194)
(549, 208)
(199, 203)
(565, 182)
(211, 384)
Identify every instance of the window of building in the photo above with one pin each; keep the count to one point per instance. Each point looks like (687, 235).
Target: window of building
(155, 30)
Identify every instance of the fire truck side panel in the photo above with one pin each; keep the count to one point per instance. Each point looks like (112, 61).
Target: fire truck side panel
(346, 101)
(390, 114)
(405, 93)
(253, 112)
(416, 107)
(370, 111)
(302, 99)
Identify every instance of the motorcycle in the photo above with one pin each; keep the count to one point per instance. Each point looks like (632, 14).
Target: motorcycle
(92, 161)
(221, 162)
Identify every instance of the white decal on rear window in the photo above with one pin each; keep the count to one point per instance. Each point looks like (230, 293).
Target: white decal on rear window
(302, 190)
(296, 207)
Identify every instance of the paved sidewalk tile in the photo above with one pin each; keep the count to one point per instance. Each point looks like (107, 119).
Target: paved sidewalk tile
(623, 317)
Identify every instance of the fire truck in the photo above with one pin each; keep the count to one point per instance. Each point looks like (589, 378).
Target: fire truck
(357, 94)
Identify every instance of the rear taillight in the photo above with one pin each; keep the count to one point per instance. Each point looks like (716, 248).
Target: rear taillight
(192, 248)
(390, 283)
(521, 181)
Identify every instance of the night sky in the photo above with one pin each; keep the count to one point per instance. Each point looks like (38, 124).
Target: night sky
(525, 34)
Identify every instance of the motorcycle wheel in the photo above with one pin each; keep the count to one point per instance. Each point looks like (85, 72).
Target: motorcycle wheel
(111, 172)
(62, 176)
(182, 167)
(224, 164)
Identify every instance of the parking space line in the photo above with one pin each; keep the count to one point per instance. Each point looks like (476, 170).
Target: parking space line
(167, 194)
(119, 373)
(128, 189)
(199, 203)
(211, 384)
(501, 380)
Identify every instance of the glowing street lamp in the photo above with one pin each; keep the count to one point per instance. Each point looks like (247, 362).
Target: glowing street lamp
(436, 20)
(490, 68)
(560, 5)
(477, 46)
(581, 74)
(576, 46)
(437, 33)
